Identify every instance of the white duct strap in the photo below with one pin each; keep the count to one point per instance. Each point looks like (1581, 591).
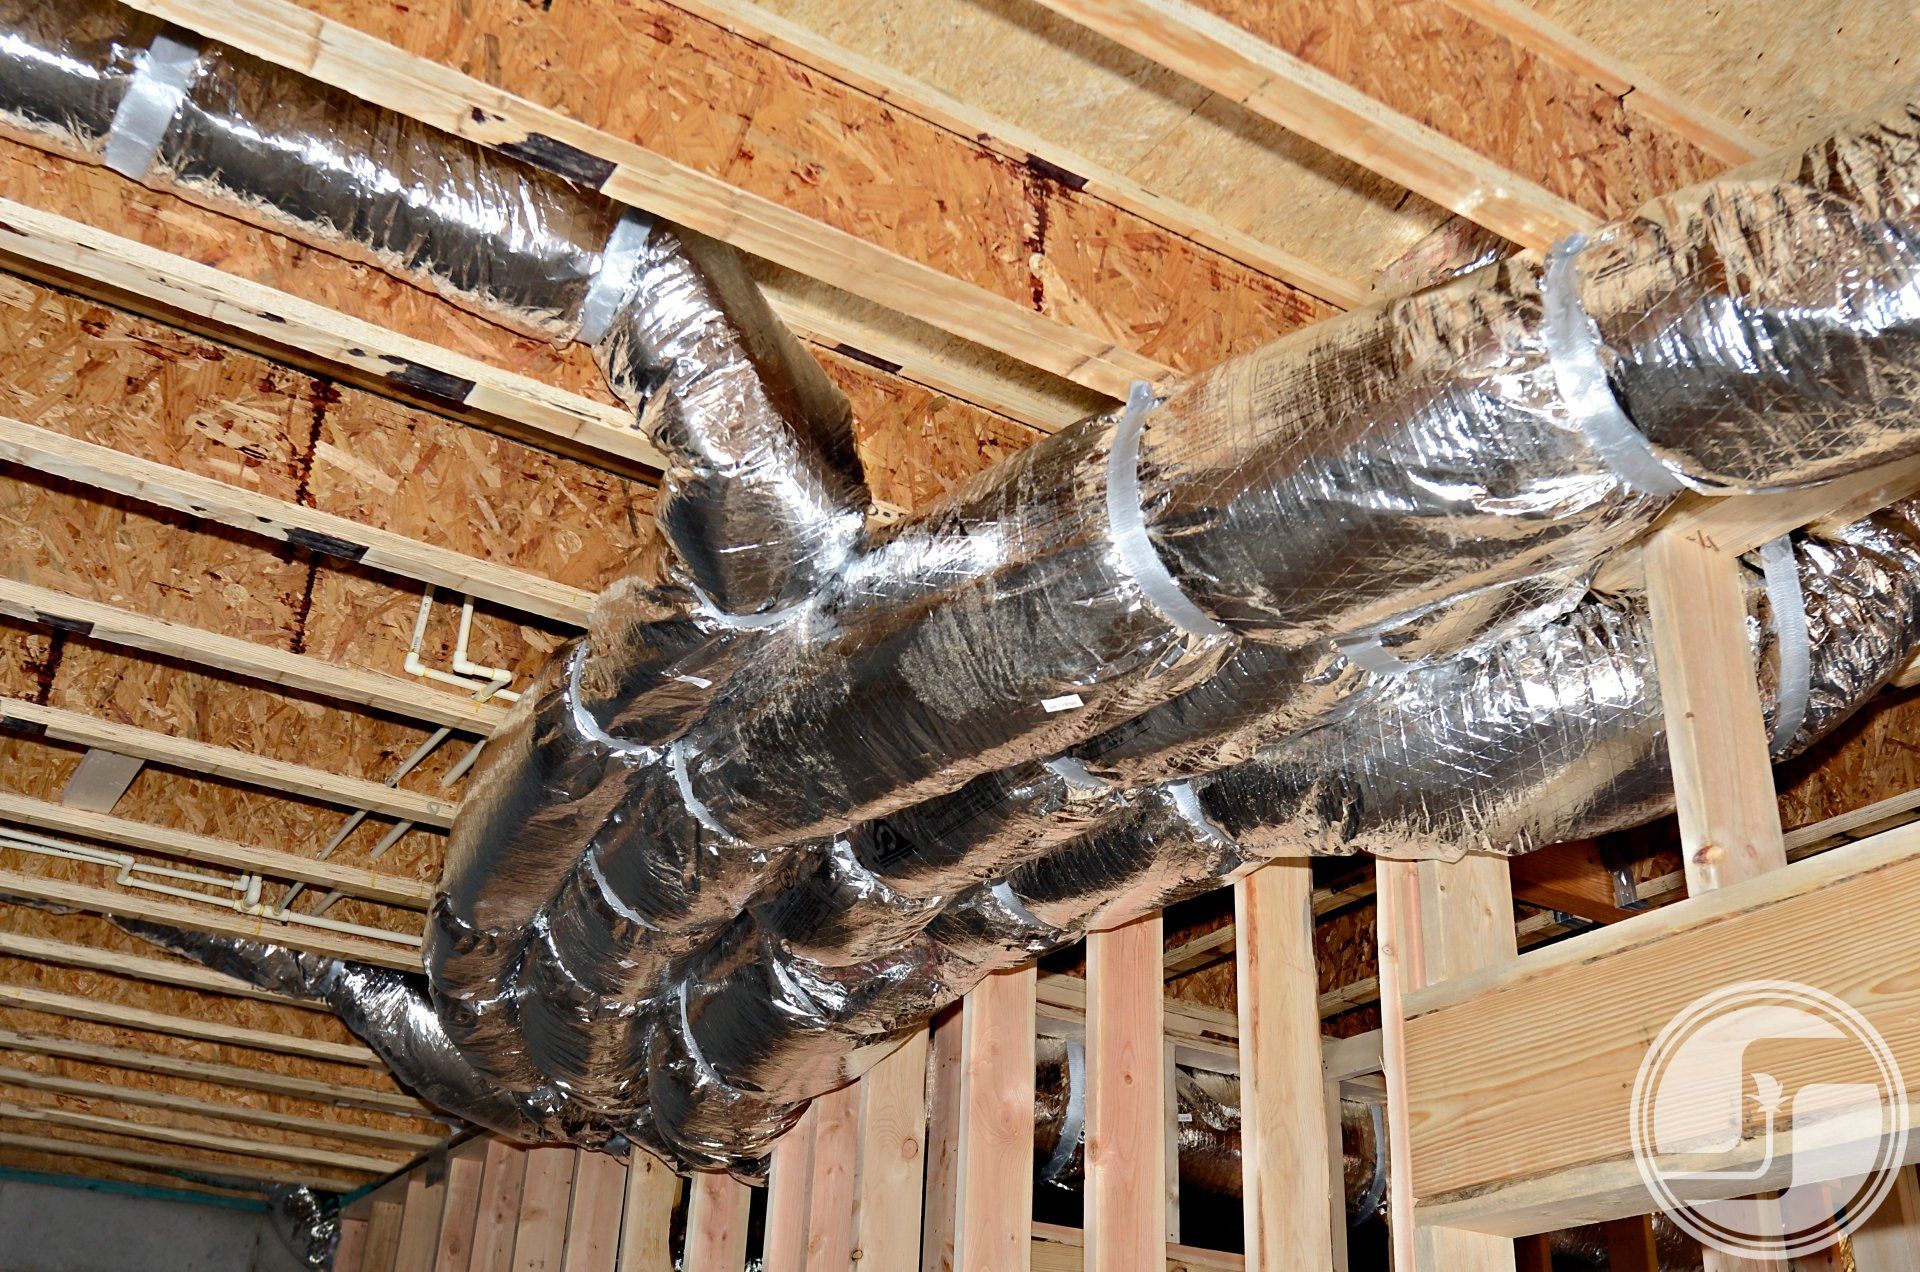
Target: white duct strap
(1789, 606)
(1074, 1120)
(154, 95)
(583, 719)
(1138, 557)
(1075, 774)
(614, 278)
(1573, 350)
(741, 622)
(677, 761)
(1186, 802)
(1368, 654)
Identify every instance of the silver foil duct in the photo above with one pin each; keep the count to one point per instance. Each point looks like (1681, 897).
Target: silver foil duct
(307, 1223)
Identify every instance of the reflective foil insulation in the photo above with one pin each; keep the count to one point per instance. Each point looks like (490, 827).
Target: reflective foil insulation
(808, 782)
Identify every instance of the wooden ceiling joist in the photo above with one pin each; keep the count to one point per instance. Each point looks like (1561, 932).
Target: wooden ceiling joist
(80, 1007)
(206, 1071)
(186, 846)
(225, 306)
(103, 468)
(254, 1146)
(353, 686)
(160, 971)
(963, 119)
(197, 1167)
(1305, 100)
(375, 71)
(225, 763)
(28, 1079)
(132, 903)
(1526, 28)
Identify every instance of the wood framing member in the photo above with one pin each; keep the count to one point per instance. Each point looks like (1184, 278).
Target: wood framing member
(375, 71)
(350, 686)
(420, 1219)
(1126, 1088)
(80, 1007)
(593, 1212)
(1889, 1241)
(789, 1197)
(893, 1134)
(1283, 1101)
(197, 1167)
(255, 1146)
(540, 1239)
(1303, 99)
(131, 903)
(1637, 90)
(1840, 921)
(993, 1230)
(833, 1181)
(646, 1223)
(716, 1223)
(28, 1079)
(120, 271)
(22, 810)
(501, 1181)
(1057, 1249)
(59, 725)
(103, 468)
(453, 1246)
(233, 1075)
(963, 119)
(161, 971)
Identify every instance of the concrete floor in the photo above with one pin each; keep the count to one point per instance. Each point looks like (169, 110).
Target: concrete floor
(47, 1228)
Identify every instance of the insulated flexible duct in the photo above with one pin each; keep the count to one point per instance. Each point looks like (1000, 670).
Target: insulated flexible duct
(887, 765)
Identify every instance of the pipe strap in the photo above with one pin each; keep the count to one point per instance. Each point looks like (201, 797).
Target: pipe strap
(155, 93)
(1138, 557)
(1789, 606)
(611, 282)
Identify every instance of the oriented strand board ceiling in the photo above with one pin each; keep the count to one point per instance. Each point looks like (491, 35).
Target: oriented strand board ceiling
(981, 155)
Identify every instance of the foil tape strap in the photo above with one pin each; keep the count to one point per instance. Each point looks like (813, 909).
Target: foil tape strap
(611, 282)
(1368, 654)
(1789, 606)
(1074, 1120)
(1076, 774)
(1377, 1186)
(1128, 522)
(1573, 351)
(155, 93)
(677, 761)
(1186, 802)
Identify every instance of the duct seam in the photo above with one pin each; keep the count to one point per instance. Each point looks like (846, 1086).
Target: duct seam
(155, 93)
(1128, 522)
(1789, 605)
(1572, 342)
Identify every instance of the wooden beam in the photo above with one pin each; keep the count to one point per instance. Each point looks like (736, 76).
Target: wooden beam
(1058, 1249)
(540, 1239)
(646, 1224)
(339, 1093)
(1283, 1117)
(716, 1224)
(1889, 1240)
(1572, 878)
(835, 1180)
(226, 306)
(789, 1197)
(593, 1212)
(349, 1253)
(194, 1167)
(963, 119)
(994, 1223)
(453, 1244)
(254, 1146)
(1841, 920)
(1126, 1085)
(942, 1206)
(893, 1134)
(502, 1178)
(420, 1219)
(1438, 920)
(353, 686)
(1301, 98)
(223, 762)
(161, 971)
(103, 468)
(375, 71)
(358, 881)
(383, 1232)
(80, 1007)
(131, 903)
(79, 1088)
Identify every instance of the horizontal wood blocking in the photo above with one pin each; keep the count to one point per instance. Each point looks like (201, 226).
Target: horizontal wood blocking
(1518, 1077)
(244, 1077)
(122, 271)
(377, 72)
(23, 810)
(103, 468)
(349, 686)
(58, 725)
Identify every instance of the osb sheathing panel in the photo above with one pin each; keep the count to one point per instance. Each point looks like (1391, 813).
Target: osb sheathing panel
(206, 1159)
(646, 71)
(1018, 62)
(1426, 60)
(1870, 758)
(1780, 70)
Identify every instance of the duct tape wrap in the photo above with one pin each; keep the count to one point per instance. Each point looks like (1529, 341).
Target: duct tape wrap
(1573, 346)
(1074, 1121)
(1129, 524)
(619, 263)
(154, 96)
(1789, 606)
